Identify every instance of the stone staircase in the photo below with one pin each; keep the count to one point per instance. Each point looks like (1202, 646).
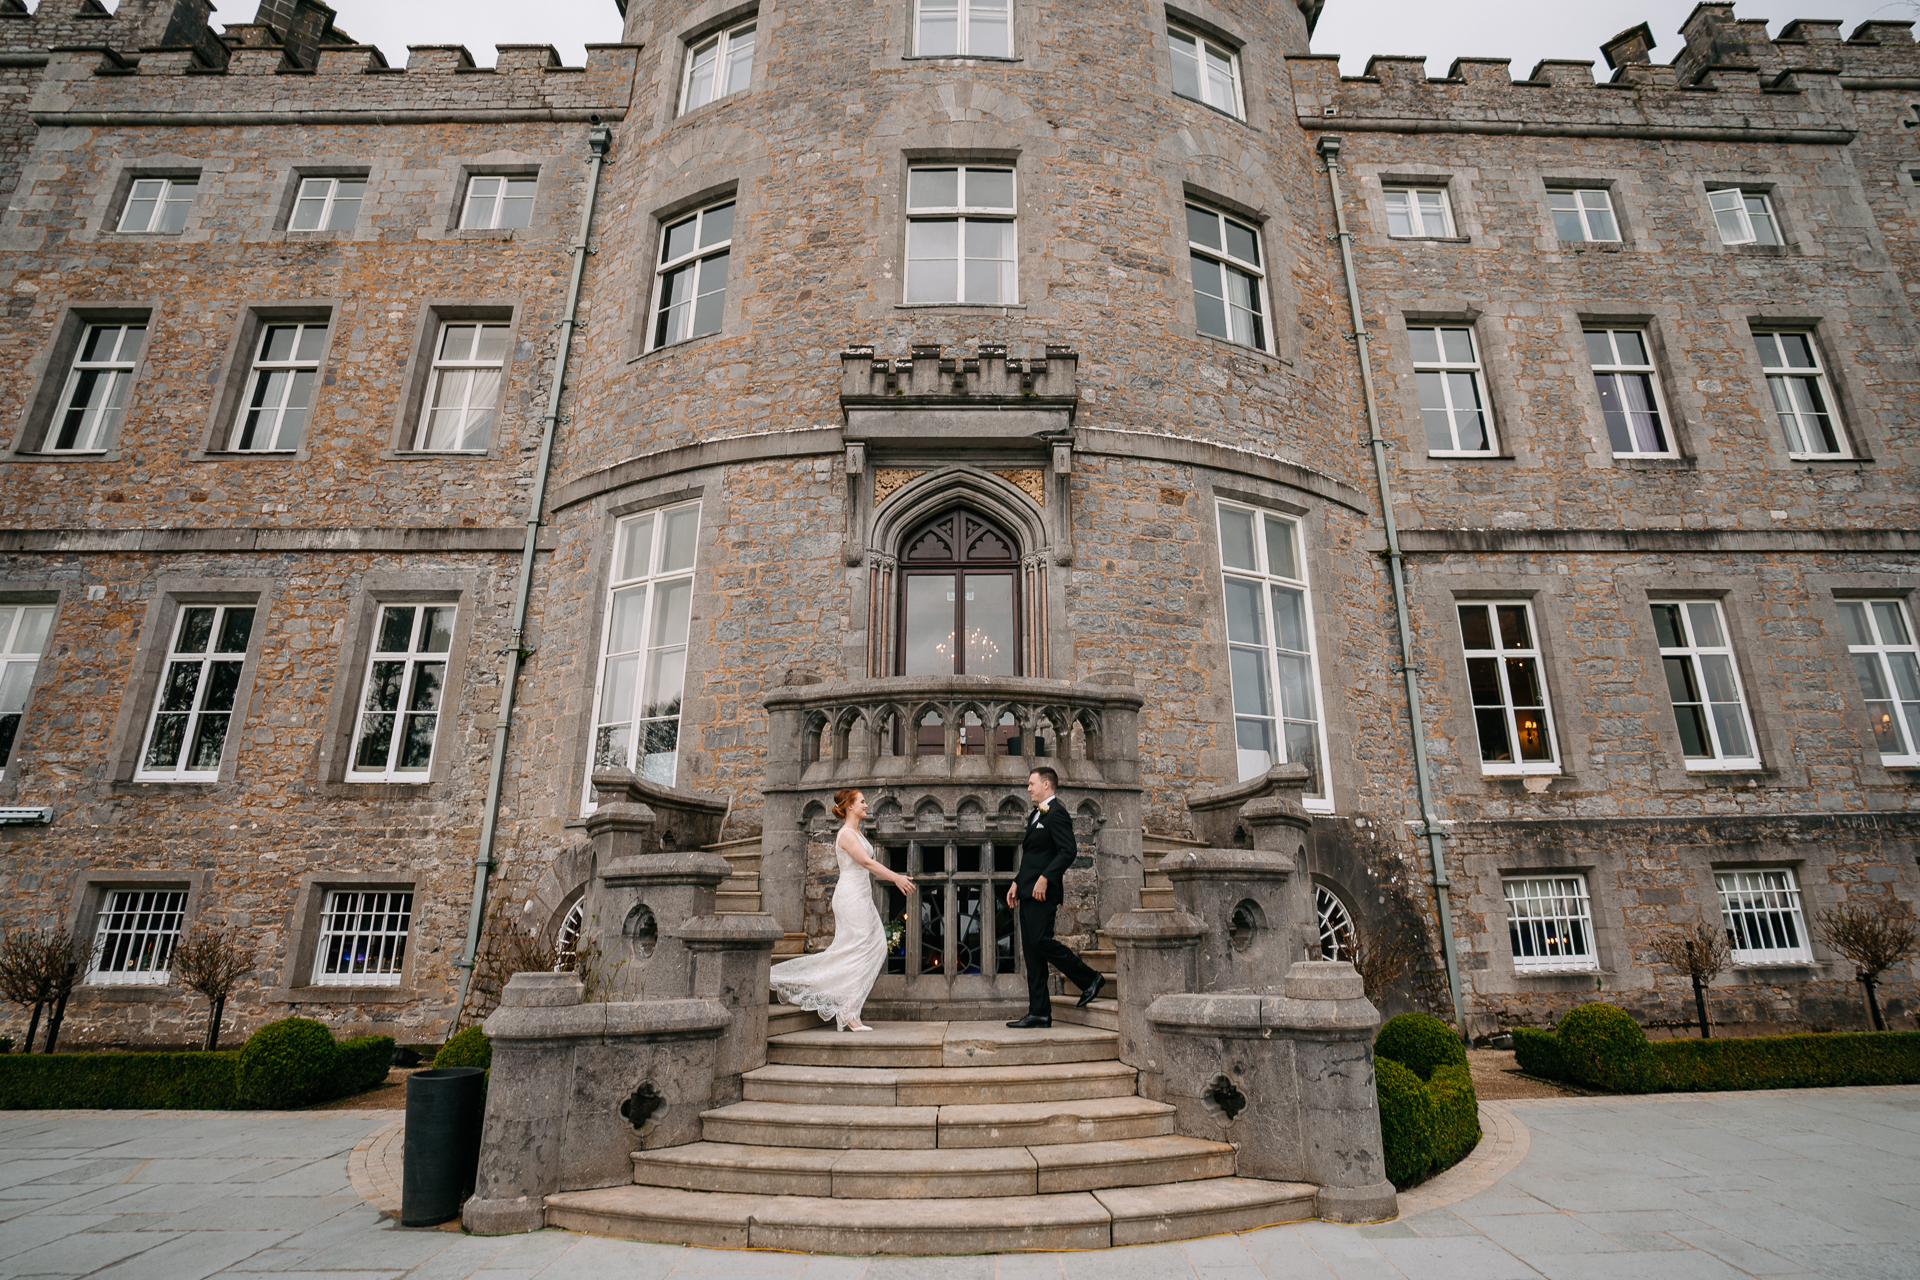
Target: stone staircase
(1155, 895)
(935, 1138)
(739, 893)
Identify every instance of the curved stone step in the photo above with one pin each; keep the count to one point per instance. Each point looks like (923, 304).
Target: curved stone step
(1026, 1124)
(1103, 1014)
(994, 1124)
(990, 1224)
(780, 1124)
(942, 1044)
(938, 1086)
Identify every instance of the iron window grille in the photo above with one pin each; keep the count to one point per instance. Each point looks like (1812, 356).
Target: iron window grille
(963, 28)
(469, 363)
(1511, 715)
(1550, 923)
(94, 401)
(158, 204)
(1629, 386)
(717, 66)
(643, 670)
(690, 288)
(566, 939)
(363, 938)
(1229, 282)
(1743, 217)
(1583, 213)
(1338, 938)
(1703, 680)
(399, 716)
(960, 236)
(1452, 386)
(283, 378)
(193, 709)
(1206, 71)
(1880, 639)
(1418, 213)
(1763, 917)
(23, 637)
(497, 202)
(1801, 398)
(1270, 651)
(327, 204)
(134, 936)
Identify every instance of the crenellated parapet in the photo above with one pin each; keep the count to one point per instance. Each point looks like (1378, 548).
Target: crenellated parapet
(989, 373)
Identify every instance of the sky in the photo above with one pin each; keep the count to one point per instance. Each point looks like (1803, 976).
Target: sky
(1523, 30)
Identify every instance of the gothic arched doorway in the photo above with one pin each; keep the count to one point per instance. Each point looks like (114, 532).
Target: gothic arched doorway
(959, 609)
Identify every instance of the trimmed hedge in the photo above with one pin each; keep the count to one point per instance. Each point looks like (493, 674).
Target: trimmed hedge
(1606, 1049)
(1429, 1116)
(470, 1048)
(285, 1064)
(360, 1065)
(119, 1081)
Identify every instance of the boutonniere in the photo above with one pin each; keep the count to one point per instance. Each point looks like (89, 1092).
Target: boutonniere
(1043, 806)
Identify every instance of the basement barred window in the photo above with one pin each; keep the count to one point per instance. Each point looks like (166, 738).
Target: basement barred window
(158, 205)
(1880, 638)
(1550, 923)
(960, 236)
(23, 635)
(690, 290)
(469, 362)
(643, 668)
(1629, 388)
(1743, 217)
(327, 204)
(134, 936)
(1763, 917)
(1418, 213)
(1270, 652)
(963, 28)
(281, 385)
(400, 707)
(194, 707)
(94, 401)
(1229, 282)
(1206, 71)
(1802, 401)
(1703, 681)
(1453, 398)
(363, 938)
(497, 202)
(1583, 214)
(1509, 690)
(717, 66)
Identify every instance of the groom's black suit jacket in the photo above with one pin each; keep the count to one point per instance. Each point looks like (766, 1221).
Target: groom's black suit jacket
(1047, 850)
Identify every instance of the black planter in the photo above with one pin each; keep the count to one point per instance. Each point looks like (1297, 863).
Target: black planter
(442, 1152)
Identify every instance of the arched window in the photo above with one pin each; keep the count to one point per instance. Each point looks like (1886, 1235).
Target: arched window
(1337, 935)
(566, 941)
(958, 604)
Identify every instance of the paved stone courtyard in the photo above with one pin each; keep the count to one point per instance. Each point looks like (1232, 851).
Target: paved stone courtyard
(1780, 1184)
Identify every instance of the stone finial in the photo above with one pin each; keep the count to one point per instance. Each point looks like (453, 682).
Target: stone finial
(1634, 45)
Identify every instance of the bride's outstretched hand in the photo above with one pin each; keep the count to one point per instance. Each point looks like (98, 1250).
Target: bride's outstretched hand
(906, 885)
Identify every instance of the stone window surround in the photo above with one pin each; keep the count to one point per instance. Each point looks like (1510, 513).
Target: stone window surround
(548, 194)
(1257, 222)
(1605, 940)
(170, 595)
(434, 313)
(911, 158)
(32, 590)
(1459, 182)
(290, 195)
(88, 897)
(1681, 409)
(1824, 592)
(460, 588)
(48, 373)
(1507, 418)
(1212, 22)
(230, 394)
(1482, 375)
(120, 185)
(1828, 329)
(672, 49)
(1759, 185)
(303, 938)
(1231, 195)
(1571, 731)
(640, 331)
(1623, 192)
(1611, 950)
(1017, 27)
(1812, 903)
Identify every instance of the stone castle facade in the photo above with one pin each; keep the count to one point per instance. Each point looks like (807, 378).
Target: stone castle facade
(893, 398)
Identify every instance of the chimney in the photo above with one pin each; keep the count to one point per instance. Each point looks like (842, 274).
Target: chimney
(1634, 45)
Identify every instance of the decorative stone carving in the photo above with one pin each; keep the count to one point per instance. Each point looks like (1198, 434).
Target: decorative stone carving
(1032, 482)
(888, 481)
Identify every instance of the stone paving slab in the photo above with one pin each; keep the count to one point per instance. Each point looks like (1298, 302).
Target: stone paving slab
(1780, 1184)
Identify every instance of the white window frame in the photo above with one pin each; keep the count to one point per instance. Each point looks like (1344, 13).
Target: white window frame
(1417, 217)
(962, 11)
(962, 214)
(697, 264)
(1228, 98)
(97, 389)
(143, 925)
(293, 403)
(1256, 332)
(371, 951)
(1279, 716)
(197, 711)
(333, 195)
(1889, 668)
(727, 58)
(172, 198)
(1700, 659)
(477, 402)
(653, 581)
(566, 938)
(1446, 372)
(1339, 935)
(1501, 656)
(1794, 414)
(1739, 221)
(1618, 370)
(23, 639)
(1758, 904)
(426, 624)
(496, 202)
(1554, 915)
(1583, 208)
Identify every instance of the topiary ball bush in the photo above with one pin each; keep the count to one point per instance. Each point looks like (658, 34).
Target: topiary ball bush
(1537, 1053)
(1407, 1122)
(1602, 1047)
(470, 1048)
(1419, 1042)
(285, 1064)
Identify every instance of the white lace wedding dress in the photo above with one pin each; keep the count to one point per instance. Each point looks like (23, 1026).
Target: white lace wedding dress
(834, 983)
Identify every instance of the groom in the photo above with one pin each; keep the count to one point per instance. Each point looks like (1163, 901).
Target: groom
(1036, 890)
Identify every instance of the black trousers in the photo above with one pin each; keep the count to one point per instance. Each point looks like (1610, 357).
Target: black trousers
(1040, 949)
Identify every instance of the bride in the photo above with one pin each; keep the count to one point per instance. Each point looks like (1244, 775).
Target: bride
(834, 983)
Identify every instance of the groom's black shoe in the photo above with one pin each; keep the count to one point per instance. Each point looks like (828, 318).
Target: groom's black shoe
(1092, 993)
(1031, 1020)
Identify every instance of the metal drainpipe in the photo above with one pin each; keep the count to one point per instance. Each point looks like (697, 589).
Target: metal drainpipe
(599, 138)
(1329, 147)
